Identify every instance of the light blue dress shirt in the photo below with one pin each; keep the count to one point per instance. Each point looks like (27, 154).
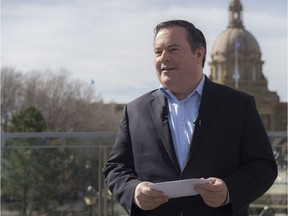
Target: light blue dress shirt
(182, 115)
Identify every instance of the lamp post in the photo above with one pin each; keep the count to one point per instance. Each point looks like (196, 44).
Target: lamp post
(111, 201)
(266, 211)
(90, 198)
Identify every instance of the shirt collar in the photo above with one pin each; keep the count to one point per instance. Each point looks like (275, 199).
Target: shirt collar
(198, 89)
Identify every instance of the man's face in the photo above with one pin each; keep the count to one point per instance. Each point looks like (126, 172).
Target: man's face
(178, 68)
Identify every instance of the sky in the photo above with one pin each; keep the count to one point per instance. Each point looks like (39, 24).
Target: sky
(109, 43)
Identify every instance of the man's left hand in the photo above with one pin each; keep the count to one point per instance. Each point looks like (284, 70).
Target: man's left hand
(213, 193)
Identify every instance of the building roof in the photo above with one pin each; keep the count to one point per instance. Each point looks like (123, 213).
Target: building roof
(236, 37)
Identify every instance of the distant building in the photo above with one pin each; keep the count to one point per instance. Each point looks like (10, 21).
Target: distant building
(236, 62)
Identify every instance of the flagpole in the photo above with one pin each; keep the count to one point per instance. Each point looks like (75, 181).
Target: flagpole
(236, 72)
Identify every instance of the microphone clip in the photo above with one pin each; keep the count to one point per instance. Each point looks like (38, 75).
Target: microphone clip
(164, 113)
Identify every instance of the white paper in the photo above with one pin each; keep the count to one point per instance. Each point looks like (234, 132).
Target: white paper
(180, 188)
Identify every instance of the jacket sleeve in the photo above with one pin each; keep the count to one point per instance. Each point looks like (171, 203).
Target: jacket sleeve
(258, 168)
(119, 172)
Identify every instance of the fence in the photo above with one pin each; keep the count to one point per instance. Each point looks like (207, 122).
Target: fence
(61, 174)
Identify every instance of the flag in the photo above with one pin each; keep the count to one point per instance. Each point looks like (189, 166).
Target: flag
(237, 44)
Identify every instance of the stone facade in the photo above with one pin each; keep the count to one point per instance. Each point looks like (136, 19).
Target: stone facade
(236, 62)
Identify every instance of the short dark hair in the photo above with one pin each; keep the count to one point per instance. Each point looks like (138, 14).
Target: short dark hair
(195, 37)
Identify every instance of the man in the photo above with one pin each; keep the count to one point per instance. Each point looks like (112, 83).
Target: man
(189, 128)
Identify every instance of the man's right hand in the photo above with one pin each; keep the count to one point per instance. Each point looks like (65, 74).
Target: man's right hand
(147, 198)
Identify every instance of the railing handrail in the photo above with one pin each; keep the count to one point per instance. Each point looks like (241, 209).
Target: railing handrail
(9, 135)
(93, 134)
(57, 134)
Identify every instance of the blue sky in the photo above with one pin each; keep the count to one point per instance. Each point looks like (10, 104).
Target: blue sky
(110, 41)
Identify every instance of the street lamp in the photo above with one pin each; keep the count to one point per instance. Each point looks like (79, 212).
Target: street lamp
(90, 198)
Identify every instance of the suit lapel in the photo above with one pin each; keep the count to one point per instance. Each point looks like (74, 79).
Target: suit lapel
(210, 100)
(162, 125)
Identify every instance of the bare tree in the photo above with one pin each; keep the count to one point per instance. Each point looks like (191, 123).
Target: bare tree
(66, 104)
(11, 94)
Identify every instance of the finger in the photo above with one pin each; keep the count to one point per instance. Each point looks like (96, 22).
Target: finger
(212, 180)
(206, 190)
(212, 201)
(216, 185)
(150, 202)
(212, 188)
(155, 197)
(147, 198)
(207, 193)
(155, 193)
(216, 199)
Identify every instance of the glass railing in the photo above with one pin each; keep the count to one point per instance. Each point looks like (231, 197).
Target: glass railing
(53, 174)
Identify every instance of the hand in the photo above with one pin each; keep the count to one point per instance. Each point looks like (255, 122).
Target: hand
(147, 198)
(213, 193)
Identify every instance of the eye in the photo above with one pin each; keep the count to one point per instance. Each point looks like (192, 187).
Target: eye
(158, 52)
(173, 49)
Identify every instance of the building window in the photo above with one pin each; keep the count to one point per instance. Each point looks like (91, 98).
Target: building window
(236, 15)
(218, 72)
(254, 73)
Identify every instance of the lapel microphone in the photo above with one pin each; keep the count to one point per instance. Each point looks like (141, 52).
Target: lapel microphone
(164, 113)
(197, 122)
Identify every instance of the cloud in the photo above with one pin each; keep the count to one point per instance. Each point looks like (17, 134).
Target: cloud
(111, 41)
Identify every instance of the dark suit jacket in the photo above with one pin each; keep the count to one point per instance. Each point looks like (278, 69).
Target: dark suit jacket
(230, 143)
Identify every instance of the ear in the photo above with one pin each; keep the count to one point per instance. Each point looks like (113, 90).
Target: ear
(200, 52)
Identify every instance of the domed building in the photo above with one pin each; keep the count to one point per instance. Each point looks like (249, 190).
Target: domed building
(236, 62)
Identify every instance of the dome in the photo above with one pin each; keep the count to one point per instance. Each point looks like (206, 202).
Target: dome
(231, 38)
(235, 37)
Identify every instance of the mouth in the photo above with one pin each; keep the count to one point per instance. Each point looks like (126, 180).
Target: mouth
(167, 68)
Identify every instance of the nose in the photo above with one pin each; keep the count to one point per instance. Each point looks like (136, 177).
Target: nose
(165, 57)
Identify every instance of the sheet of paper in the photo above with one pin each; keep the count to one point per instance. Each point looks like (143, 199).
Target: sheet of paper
(180, 188)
